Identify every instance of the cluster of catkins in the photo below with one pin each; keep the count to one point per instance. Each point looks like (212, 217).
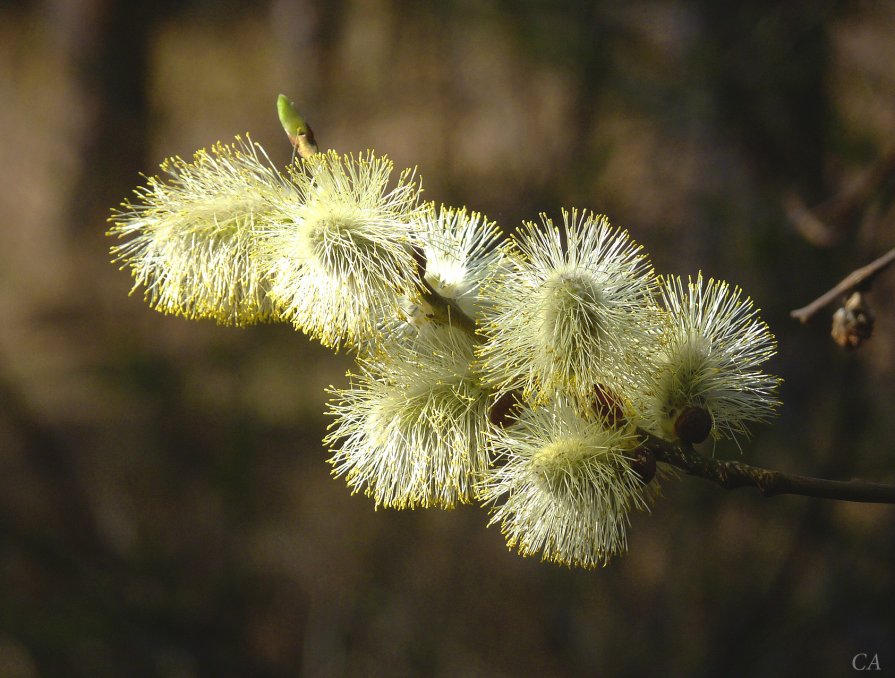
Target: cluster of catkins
(519, 373)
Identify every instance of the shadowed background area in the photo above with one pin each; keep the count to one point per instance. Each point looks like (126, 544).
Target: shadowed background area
(166, 508)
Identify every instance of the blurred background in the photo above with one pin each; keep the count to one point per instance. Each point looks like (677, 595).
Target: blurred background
(166, 508)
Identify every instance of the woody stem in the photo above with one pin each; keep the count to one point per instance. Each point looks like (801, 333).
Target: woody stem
(733, 474)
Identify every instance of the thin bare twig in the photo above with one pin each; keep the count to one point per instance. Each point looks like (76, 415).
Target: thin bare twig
(733, 474)
(853, 280)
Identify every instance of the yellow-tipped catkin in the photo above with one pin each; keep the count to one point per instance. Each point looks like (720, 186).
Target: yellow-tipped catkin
(341, 258)
(571, 310)
(564, 486)
(410, 430)
(190, 238)
(713, 344)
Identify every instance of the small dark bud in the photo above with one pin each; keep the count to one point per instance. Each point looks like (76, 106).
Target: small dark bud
(419, 258)
(693, 425)
(505, 409)
(852, 322)
(607, 406)
(643, 463)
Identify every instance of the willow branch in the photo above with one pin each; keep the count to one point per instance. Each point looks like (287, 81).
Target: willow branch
(733, 474)
(728, 474)
(855, 279)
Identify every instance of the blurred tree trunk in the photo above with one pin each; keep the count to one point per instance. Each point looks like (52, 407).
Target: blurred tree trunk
(108, 47)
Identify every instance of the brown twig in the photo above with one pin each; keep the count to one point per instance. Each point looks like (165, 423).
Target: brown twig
(858, 278)
(733, 474)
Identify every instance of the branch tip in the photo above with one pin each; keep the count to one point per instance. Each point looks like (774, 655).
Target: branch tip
(296, 127)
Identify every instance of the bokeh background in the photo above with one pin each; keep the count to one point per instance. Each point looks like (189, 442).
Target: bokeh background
(166, 508)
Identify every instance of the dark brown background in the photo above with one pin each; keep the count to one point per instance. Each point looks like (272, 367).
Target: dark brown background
(165, 504)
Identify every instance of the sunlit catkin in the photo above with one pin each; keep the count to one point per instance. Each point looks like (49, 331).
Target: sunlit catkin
(573, 309)
(713, 346)
(190, 237)
(341, 256)
(410, 430)
(563, 486)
